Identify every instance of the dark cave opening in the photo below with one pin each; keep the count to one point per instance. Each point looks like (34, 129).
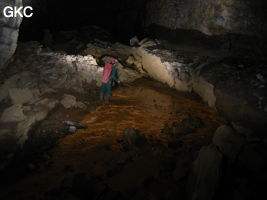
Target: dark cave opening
(122, 19)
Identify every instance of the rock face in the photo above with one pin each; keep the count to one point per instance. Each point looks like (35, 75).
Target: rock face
(236, 89)
(211, 17)
(32, 77)
(69, 101)
(205, 174)
(13, 114)
(35, 82)
(21, 96)
(126, 74)
(9, 30)
(34, 113)
(228, 142)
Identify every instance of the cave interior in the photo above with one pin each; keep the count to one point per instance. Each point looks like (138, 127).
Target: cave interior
(187, 120)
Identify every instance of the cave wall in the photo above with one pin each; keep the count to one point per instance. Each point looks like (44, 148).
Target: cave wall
(211, 17)
(9, 31)
(126, 18)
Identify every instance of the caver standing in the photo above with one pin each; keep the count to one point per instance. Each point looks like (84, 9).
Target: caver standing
(109, 78)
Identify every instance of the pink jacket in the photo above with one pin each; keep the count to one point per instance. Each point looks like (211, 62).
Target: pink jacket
(107, 72)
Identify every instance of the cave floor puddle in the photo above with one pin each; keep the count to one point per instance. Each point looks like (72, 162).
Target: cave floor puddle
(101, 153)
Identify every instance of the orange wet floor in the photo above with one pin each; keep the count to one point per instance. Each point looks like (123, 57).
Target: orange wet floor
(99, 150)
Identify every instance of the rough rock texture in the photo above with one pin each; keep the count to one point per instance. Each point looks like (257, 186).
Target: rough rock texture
(31, 80)
(211, 17)
(128, 70)
(21, 96)
(13, 114)
(69, 101)
(228, 142)
(205, 174)
(237, 88)
(37, 80)
(54, 69)
(34, 113)
(9, 30)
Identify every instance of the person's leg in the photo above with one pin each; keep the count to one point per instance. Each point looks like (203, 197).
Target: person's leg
(107, 99)
(108, 93)
(102, 92)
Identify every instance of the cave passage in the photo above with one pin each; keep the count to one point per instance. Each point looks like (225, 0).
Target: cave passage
(126, 146)
(186, 121)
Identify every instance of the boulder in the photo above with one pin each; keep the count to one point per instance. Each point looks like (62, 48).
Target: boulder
(127, 75)
(81, 105)
(136, 61)
(130, 60)
(228, 142)
(20, 80)
(36, 113)
(68, 101)
(21, 96)
(13, 114)
(134, 138)
(205, 174)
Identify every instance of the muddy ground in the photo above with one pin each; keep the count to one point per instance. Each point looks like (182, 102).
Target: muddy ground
(141, 146)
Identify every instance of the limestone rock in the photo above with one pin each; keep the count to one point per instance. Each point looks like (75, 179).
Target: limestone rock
(68, 101)
(205, 174)
(38, 112)
(13, 114)
(9, 31)
(146, 42)
(164, 66)
(228, 142)
(21, 96)
(127, 75)
(137, 62)
(81, 105)
(221, 85)
(20, 80)
(221, 16)
(130, 60)
(134, 138)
